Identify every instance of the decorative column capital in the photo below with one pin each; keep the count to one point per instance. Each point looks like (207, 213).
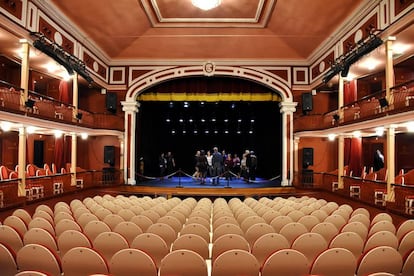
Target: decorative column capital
(287, 107)
(130, 106)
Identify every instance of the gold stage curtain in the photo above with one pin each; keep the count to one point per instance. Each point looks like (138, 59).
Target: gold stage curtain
(210, 97)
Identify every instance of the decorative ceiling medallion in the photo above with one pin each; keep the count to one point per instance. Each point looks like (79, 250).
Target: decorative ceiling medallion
(209, 68)
(255, 14)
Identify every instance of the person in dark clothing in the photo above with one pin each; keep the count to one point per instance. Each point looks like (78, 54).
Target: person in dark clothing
(202, 166)
(170, 163)
(228, 166)
(251, 163)
(162, 163)
(217, 161)
(378, 160)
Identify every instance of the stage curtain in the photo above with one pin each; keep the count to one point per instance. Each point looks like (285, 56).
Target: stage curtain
(353, 155)
(350, 92)
(64, 96)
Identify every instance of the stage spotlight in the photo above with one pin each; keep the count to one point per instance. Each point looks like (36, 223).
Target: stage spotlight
(181, 120)
(184, 131)
(226, 132)
(250, 131)
(206, 131)
(190, 120)
(168, 120)
(173, 131)
(195, 131)
(216, 131)
(239, 132)
(171, 104)
(186, 105)
(239, 120)
(383, 102)
(213, 119)
(203, 120)
(226, 120)
(252, 120)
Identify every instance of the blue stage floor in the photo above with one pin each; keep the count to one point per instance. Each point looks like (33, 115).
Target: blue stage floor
(189, 182)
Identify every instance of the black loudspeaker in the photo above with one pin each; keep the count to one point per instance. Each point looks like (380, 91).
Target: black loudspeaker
(109, 155)
(307, 104)
(111, 102)
(307, 157)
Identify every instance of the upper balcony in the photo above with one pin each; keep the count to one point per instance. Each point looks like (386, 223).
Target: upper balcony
(370, 107)
(43, 107)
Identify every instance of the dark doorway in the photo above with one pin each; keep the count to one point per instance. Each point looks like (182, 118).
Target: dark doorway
(38, 154)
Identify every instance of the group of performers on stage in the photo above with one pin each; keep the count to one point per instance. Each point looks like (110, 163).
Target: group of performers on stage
(215, 165)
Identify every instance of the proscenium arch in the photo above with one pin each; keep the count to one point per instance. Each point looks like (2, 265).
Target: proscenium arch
(162, 74)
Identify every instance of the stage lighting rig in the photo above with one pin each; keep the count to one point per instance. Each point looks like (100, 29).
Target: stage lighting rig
(70, 62)
(344, 62)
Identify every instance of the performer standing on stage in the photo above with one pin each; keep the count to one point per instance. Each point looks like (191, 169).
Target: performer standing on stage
(170, 163)
(217, 161)
(202, 166)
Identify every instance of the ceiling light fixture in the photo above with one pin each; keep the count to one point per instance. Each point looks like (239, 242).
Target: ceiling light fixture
(206, 4)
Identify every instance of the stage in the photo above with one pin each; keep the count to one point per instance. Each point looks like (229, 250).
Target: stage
(188, 186)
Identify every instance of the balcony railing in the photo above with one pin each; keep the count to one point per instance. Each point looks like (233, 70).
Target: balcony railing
(50, 109)
(372, 106)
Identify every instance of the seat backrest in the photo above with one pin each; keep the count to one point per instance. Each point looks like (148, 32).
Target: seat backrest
(17, 223)
(128, 230)
(112, 220)
(381, 217)
(267, 244)
(164, 231)
(4, 173)
(406, 243)
(153, 245)
(249, 221)
(197, 229)
(363, 218)
(278, 222)
(66, 224)
(334, 261)
(227, 228)
(228, 242)
(348, 240)
(192, 242)
(287, 262)
(309, 221)
(183, 262)
(7, 260)
(356, 227)
(45, 260)
(70, 239)
(10, 238)
(293, 230)
(336, 220)
(23, 214)
(310, 244)
(404, 228)
(108, 243)
(408, 264)
(235, 262)
(381, 238)
(256, 231)
(326, 229)
(142, 222)
(132, 261)
(41, 236)
(43, 223)
(94, 228)
(84, 218)
(83, 261)
(380, 259)
(382, 225)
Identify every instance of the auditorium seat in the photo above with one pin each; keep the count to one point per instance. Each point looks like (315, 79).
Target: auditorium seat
(45, 215)
(406, 243)
(142, 222)
(405, 227)
(361, 218)
(408, 264)
(153, 245)
(184, 263)
(31, 273)
(42, 237)
(197, 220)
(293, 230)
(381, 217)
(320, 214)
(326, 229)
(356, 227)
(336, 220)
(70, 239)
(278, 222)
(94, 228)
(163, 230)
(382, 226)
(361, 210)
(196, 229)
(310, 244)
(267, 244)
(280, 263)
(40, 258)
(235, 262)
(380, 259)
(227, 218)
(349, 240)
(84, 218)
(23, 214)
(171, 221)
(83, 261)
(227, 228)
(192, 242)
(66, 224)
(270, 215)
(381, 238)
(256, 231)
(309, 221)
(112, 220)
(62, 215)
(7, 260)
(11, 238)
(17, 224)
(334, 262)
(108, 243)
(126, 214)
(131, 261)
(228, 242)
(128, 230)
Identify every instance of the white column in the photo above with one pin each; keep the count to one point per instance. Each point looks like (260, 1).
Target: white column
(389, 68)
(73, 161)
(287, 109)
(24, 72)
(296, 156)
(121, 139)
(131, 109)
(341, 98)
(341, 149)
(390, 162)
(22, 162)
(75, 97)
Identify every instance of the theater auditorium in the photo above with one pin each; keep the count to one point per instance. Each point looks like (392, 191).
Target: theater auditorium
(206, 137)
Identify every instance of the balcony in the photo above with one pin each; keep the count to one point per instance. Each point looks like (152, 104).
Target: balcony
(370, 107)
(52, 110)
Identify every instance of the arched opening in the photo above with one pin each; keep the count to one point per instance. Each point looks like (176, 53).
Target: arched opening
(198, 113)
